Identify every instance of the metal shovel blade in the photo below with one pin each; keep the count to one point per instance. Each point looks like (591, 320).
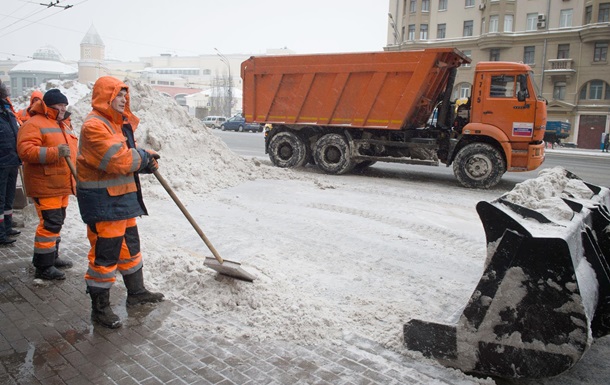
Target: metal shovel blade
(232, 269)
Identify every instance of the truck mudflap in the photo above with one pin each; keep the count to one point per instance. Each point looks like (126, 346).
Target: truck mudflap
(545, 291)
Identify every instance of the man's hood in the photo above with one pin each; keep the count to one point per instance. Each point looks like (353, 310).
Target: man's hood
(35, 94)
(105, 90)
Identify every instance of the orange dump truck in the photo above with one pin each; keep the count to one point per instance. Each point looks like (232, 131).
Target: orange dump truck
(346, 111)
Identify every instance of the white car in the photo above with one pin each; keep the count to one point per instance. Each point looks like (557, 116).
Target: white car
(214, 121)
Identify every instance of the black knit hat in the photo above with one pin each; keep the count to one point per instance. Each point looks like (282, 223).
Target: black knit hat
(54, 96)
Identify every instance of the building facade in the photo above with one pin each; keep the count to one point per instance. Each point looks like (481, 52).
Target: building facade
(47, 64)
(564, 41)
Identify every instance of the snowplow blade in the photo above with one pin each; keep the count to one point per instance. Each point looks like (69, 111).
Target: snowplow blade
(545, 291)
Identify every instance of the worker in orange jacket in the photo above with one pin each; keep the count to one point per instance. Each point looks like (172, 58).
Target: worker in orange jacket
(24, 115)
(42, 143)
(110, 198)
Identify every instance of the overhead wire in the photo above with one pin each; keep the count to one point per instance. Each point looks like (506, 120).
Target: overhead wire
(38, 21)
(43, 18)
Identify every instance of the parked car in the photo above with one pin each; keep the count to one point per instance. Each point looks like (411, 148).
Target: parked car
(214, 121)
(238, 123)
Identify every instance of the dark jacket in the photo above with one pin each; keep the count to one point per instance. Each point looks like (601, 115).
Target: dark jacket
(108, 187)
(8, 136)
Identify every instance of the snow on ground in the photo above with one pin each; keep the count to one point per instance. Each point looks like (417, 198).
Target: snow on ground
(333, 255)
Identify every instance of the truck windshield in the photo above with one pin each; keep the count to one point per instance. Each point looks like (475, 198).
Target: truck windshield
(535, 85)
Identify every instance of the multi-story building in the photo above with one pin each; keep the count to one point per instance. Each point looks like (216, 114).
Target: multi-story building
(564, 41)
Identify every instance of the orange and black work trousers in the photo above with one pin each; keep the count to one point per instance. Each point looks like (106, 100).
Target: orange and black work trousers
(51, 214)
(115, 245)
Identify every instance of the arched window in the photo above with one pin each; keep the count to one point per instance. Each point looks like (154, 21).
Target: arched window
(461, 90)
(595, 90)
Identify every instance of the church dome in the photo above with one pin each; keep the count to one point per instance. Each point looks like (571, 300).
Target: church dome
(47, 53)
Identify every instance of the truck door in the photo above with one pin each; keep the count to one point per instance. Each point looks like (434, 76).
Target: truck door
(508, 105)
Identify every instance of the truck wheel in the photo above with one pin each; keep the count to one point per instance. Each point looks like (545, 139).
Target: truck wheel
(286, 149)
(332, 154)
(479, 165)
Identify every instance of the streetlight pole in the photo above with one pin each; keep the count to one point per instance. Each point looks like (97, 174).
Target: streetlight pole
(394, 27)
(224, 59)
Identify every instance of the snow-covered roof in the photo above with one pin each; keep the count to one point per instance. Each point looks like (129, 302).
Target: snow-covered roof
(44, 66)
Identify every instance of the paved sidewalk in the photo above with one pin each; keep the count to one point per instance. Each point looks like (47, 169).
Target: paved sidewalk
(46, 337)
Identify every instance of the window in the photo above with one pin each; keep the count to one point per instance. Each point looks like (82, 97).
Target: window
(411, 36)
(423, 32)
(442, 5)
(425, 5)
(604, 13)
(532, 22)
(465, 90)
(493, 23)
(468, 54)
(494, 54)
(468, 28)
(461, 90)
(441, 30)
(469, 3)
(595, 90)
(502, 86)
(565, 18)
(563, 51)
(600, 53)
(508, 23)
(413, 6)
(528, 54)
(559, 91)
(28, 82)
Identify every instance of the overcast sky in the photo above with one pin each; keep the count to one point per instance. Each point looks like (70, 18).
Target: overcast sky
(136, 28)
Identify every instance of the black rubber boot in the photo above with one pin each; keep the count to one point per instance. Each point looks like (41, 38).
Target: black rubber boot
(49, 273)
(136, 292)
(60, 263)
(100, 308)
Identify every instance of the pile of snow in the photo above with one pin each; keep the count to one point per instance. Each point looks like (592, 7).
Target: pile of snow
(544, 193)
(73, 90)
(193, 160)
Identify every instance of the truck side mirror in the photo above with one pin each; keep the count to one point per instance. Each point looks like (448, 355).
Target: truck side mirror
(520, 96)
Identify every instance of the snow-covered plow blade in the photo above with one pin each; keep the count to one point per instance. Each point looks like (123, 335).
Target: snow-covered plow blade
(545, 290)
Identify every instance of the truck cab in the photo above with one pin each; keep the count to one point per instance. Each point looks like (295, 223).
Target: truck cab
(506, 109)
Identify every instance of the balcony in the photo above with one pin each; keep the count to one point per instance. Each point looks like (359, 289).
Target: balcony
(595, 32)
(560, 70)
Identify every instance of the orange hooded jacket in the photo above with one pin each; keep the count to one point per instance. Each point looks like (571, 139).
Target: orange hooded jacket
(24, 114)
(108, 189)
(45, 173)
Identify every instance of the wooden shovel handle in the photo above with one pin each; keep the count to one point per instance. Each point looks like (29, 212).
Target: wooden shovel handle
(187, 215)
(71, 166)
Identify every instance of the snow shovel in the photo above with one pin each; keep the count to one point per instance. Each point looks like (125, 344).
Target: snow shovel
(223, 266)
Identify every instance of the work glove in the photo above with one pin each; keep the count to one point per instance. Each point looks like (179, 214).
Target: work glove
(149, 161)
(64, 151)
